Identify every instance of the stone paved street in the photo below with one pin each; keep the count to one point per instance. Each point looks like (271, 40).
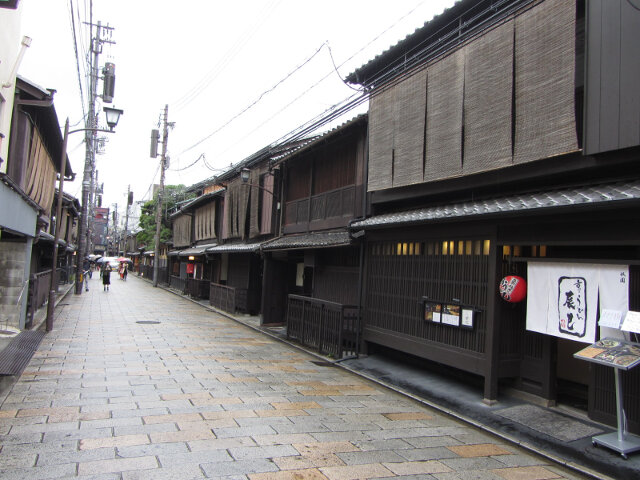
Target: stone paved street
(198, 395)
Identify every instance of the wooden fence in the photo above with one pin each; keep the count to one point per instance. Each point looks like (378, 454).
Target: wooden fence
(178, 283)
(38, 294)
(330, 328)
(198, 288)
(227, 298)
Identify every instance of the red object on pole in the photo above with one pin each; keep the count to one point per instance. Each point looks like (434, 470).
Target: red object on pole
(513, 289)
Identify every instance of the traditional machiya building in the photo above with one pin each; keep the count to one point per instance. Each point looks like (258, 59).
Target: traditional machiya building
(504, 144)
(27, 193)
(312, 267)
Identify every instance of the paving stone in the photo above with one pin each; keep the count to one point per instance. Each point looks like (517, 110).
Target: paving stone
(306, 474)
(117, 465)
(58, 458)
(353, 472)
(201, 396)
(268, 451)
(432, 453)
(194, 458)
(526, 473)
(240, 467)
(39, 473)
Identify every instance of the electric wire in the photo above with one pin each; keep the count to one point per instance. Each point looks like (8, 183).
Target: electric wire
(255, 102)
(322, 79)
(206, 81)
(75, 50)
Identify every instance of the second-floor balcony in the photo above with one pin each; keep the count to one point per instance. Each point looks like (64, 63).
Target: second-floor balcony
(325, 210)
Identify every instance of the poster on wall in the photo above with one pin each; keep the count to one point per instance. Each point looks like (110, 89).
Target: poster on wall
(562, 298)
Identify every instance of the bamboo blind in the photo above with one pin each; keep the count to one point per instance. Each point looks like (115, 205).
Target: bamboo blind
(205, 221)
(411, 97)
(487, 100)
(182, 231)
(381, 131)
(41, 174)
(444, 117)
(267, 204)
(544, 65)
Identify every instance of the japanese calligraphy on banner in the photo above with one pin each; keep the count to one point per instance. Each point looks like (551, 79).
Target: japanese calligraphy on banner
(562, 298)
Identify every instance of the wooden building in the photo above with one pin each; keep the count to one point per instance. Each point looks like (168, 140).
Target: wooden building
(312, 268)
(504, 139)
(27, 193)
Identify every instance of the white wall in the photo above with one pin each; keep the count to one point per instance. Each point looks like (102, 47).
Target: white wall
(10, 40)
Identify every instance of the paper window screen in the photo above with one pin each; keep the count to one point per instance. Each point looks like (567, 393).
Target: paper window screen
(411, 98)
(487, 101)
(544, 76)
(444, 117)
(381, 130)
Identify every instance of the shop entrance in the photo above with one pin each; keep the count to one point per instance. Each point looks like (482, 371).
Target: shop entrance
(572, 375)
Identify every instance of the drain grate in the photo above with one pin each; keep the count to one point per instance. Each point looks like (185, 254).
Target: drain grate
(147, 322)
(15, 357)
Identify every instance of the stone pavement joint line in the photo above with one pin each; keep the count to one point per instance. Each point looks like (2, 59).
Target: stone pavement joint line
(200, 396)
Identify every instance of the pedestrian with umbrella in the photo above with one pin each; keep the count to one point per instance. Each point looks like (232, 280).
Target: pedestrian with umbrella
(106, 276)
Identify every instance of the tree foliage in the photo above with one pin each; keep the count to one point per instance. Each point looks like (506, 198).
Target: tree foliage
(173, 194)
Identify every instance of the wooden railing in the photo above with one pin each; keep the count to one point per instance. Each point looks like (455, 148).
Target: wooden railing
(38, 294)
(329, 327)
(326, 205)
(198, 288)
(178, 283)
(229, 299)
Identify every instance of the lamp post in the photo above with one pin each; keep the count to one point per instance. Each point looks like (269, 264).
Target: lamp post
(113, 115)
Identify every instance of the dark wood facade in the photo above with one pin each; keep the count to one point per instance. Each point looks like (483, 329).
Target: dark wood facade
(312, 270)
(475, 153)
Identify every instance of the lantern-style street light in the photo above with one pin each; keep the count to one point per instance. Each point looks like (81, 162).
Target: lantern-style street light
(113, 116)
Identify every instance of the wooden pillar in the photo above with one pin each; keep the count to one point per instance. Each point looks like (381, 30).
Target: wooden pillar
(492, 339)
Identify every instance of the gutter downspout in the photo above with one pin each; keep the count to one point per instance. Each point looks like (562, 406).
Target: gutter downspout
(26, 43)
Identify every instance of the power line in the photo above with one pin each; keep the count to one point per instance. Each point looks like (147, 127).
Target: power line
(255, 102)
(206, 81)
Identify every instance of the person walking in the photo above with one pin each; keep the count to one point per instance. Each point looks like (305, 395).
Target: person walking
(125, 272)
(106, 276)
(86, 269)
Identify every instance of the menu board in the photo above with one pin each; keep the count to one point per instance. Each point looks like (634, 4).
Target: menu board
(612, 352)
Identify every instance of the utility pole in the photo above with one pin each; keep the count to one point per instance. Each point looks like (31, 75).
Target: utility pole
(116, 240)
(89, 161)
(126, 220)
(163, 164)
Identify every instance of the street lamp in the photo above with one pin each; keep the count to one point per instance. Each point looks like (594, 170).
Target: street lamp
(113, 115)
(244, 175)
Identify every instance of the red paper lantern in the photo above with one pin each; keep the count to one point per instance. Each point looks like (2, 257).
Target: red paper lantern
(513, 289)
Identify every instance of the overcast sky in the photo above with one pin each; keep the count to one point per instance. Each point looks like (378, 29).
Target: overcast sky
(208, 60)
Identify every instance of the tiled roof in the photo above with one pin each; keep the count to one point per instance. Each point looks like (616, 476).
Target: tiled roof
(309, 240)
(235, 248)
(569, 197)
